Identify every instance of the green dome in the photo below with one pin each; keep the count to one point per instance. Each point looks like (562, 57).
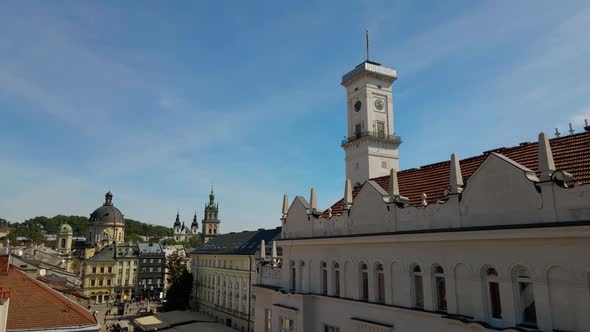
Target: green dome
(65, 228)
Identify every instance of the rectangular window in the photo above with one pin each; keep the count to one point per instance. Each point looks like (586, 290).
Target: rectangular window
(495, 306)
(331, 328)
(108, 282)
(100, 282)
(381, 129)
(337, 283)
(102, 269)
(287, 325)
(267, 320)
(110, 269)
(357, 129)
(94, 269)
(92, 282)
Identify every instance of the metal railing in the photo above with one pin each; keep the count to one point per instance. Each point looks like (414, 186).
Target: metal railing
(378, 135)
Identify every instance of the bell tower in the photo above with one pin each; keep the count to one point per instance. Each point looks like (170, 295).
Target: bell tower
(371, 146)
(211, 220)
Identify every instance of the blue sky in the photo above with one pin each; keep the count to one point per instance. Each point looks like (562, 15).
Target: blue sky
(159, 100)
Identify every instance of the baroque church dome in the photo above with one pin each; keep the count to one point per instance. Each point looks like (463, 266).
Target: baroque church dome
(107, 212)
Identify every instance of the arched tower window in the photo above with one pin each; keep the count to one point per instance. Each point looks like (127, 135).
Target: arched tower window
(417, 287)
(364, 282)
(63, 243)
(324, 277)
(380, 283)
(336, 282)
(493, 293)
(526, 297)
(440, 289)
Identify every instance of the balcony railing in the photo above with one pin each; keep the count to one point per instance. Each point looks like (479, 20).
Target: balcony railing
(378, 135)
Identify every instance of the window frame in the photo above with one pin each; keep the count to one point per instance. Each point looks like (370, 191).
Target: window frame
(414, 276)
(438, 273)
(520, 277)
(490, 275)
(379, 283)
(363, 282)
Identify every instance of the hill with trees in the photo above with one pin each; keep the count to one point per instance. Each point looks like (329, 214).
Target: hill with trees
(36, 228)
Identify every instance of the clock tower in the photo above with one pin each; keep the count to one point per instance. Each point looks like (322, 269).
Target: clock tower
(371, 146)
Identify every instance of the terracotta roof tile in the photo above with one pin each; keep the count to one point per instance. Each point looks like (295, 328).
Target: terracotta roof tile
(571, 154)
(31, 299)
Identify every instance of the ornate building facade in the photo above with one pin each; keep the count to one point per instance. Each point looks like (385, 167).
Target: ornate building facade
(495, 241)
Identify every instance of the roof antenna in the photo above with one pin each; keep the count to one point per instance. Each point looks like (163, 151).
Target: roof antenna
(571, 129)
(557, 133)
(367, 39)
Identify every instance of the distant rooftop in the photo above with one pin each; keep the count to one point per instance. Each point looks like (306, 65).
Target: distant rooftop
(242, 243)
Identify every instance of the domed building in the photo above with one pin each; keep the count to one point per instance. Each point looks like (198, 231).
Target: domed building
(106, 224)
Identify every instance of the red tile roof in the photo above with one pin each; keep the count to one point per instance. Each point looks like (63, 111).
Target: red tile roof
(571, 154)
(34, 306)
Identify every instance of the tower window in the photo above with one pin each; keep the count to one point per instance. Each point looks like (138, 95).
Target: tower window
(356, 89)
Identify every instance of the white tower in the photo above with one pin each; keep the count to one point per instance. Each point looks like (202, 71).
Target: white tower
(371, 146)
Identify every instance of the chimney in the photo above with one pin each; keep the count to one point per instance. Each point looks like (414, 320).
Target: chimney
(456, 177)
(586, 126)
(313, 200)
(557, 133)
(546, 164)
(571, 129)
(393, 184)
(347, 194)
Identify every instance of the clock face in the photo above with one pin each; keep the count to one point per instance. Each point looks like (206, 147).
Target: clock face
(379, 104)
(357, 106)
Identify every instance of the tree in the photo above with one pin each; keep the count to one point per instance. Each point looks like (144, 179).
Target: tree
(178, 295)
(168, 242)
(194, 241)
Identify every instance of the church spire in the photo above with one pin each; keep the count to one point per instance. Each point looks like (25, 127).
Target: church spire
(177, 221)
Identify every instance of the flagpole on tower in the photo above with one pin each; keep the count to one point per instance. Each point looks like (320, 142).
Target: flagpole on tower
(367, 38)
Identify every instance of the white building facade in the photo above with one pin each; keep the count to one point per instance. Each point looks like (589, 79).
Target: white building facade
(496, 241)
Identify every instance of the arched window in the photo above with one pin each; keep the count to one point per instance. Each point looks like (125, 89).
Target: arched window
(364, 278)
(63, 243)
(293, 276)
(380, 283)
(526, 297)
(324, 276)
(336, 282)
(417, 287)
(493, 293)
(440, 289)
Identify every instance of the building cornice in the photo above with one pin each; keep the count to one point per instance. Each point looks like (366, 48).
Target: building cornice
(575, 229)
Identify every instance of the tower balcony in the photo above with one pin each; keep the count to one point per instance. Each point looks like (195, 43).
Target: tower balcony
(380, 136)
